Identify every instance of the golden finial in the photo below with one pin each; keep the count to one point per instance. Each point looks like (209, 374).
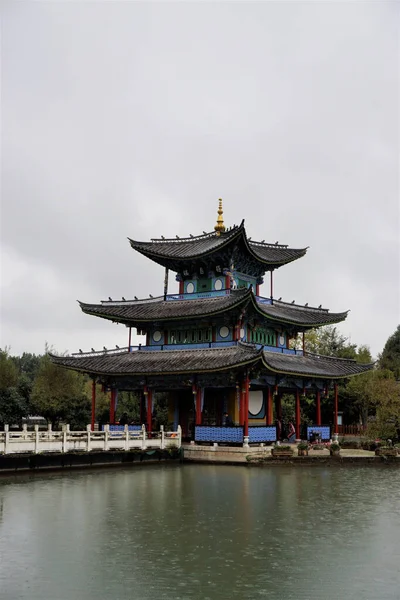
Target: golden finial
(219, 226)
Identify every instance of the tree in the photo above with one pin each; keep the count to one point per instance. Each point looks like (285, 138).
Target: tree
(13, 407)
(8, 371)
(390, 357)
(57, 393)
(329, 342)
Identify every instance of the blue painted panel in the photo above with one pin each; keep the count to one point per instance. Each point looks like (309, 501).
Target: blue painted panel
(324, 430)
(122, 428)
(262, 300)
(196, 295)
(262, 434)
(202, 433)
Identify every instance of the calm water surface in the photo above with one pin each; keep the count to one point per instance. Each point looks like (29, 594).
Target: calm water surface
(201, 532)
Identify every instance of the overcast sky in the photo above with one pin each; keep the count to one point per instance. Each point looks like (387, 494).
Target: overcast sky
(131, 119)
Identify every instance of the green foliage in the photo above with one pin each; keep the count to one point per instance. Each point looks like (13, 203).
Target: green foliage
(13, 407)
(8, 371)
(329, 342)
(302, 446)
(390, 357)
(128, 408)
(57, 392)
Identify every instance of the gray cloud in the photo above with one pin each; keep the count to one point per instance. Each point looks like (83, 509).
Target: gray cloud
(131, 119)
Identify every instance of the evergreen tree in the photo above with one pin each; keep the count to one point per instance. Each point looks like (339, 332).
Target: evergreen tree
(390, 357)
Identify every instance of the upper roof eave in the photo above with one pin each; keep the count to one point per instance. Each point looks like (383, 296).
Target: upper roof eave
(181, 250)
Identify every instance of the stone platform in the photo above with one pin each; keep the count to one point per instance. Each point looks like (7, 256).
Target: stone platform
(256, 455)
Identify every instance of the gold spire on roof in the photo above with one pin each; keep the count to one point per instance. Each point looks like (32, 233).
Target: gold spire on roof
(219, 226)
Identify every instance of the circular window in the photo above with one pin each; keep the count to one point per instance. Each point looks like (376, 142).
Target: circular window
(190, 288)
(157, 335)
(224, 331)
(242, 333)
(218, 284)
(282, 340)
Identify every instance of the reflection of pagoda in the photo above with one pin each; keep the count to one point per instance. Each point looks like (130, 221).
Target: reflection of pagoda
(216, 346)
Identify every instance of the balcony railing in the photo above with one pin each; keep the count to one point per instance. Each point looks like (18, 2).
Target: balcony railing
(17, 442)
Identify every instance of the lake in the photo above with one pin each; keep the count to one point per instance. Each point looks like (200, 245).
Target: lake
(201, 532)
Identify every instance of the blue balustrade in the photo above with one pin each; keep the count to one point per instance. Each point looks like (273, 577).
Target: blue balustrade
(197, 295)
(262, 434)
(122, 427)
(323, 430)
(203, 433)
(219, 344)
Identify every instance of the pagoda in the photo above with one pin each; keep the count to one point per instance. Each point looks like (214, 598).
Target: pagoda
(217, 346)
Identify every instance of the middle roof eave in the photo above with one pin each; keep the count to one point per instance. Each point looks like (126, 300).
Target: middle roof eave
(162, 362)
(150, 310)
(145, 311)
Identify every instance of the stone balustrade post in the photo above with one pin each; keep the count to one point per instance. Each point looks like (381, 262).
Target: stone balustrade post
(126, 430)
(106, 436)
(88, 432)
(179, 436)
(6, 438)
(24, 431)
(49, 431)
(36, 439)
(64, 439)
(162, 442)
(144, 446)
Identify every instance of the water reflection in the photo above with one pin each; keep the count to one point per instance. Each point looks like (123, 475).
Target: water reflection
(198, 532)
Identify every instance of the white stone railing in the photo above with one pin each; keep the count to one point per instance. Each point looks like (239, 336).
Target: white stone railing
(21, 442)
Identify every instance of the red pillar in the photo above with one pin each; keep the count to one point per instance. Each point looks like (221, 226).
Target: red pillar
(298, 414)
(318, 407)
(335, 413)
(129, 339)
(227, 282)
(242, 403)
(112, 407)
(198, 406)
(257, 289)
(149, 408)
(93, 404)
(271, 279)
(246, 406)
(181, 287)
(269, 410)
(304, 343)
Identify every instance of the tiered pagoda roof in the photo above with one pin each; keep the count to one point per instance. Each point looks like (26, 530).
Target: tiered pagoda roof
(228, 247)
(148, 310)
(173, 362)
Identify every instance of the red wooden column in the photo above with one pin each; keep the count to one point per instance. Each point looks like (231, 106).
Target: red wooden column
(181, 288)
(269, 411)
(112, 407)
(246, 407)
(198, 406)
(271, 284)
(318, 407)
(242, 403)
(335, 412)
(93, 404)
(149, 407)
(298, 414)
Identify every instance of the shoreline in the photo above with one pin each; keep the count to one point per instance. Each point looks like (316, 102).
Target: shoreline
(220, 455)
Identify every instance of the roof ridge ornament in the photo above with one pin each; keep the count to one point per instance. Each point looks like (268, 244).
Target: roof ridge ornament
(219, 226)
